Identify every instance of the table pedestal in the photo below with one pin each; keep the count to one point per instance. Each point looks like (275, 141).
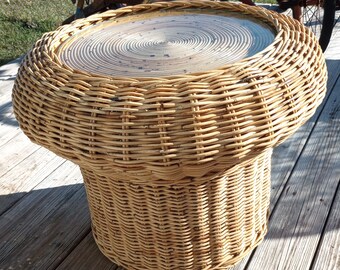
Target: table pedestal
(192, 223)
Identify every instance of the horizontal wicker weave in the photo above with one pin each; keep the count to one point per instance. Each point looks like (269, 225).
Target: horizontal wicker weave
(201, 223)
(176, 168)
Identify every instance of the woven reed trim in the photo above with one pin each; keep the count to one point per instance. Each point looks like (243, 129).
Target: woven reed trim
(177, 126)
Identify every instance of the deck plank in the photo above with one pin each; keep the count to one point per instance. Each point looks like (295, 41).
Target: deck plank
(10, 135)
(328, 256)
(47, 223)
(297, 221)
(15, 151)
(23, 178)
(87, 256)
(9, 127)
(6, 90)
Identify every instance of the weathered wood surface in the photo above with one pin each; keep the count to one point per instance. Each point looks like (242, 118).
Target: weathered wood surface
(328, 256)
(87, 256)
(45, 224)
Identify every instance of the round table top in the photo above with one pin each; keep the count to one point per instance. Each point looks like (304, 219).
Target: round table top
(166, 43)
(135, 121)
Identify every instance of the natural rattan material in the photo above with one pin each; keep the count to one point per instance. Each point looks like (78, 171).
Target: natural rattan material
(176, 167)
(201, 223)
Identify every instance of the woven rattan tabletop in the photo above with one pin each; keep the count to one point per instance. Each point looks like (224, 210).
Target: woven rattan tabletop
(166, 43)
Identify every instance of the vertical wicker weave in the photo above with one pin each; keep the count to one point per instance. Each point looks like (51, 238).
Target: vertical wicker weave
(176, 168)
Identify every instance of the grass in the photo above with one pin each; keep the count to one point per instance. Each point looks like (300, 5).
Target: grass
(24, 22)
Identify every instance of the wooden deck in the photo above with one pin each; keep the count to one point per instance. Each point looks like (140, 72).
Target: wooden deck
(45, 223)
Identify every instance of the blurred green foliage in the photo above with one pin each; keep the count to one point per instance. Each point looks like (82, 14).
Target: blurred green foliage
(24, 22)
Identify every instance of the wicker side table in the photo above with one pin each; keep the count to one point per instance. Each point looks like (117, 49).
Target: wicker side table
(171, 110)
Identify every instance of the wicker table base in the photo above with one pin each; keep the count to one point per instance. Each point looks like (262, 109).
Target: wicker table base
(175, 158)
(194, 223)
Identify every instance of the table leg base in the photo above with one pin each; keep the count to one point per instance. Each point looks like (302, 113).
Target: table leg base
(204, 223)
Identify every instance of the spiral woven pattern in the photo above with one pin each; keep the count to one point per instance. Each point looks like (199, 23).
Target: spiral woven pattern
(172, 44)
(176, 166)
